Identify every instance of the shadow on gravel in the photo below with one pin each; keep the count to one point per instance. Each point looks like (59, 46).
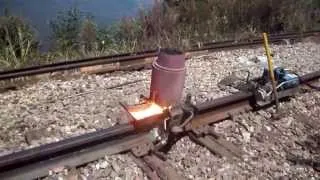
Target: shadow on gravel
(311, 144)
(314, 163)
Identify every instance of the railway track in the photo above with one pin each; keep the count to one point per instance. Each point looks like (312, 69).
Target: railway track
(126, 138)
(138, 60)
(142, 144)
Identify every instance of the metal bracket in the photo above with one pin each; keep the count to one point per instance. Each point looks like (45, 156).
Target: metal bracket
(181, 115)
(281, 94)
(176, 116)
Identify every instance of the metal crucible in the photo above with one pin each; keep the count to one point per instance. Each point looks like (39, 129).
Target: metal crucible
(168, 77)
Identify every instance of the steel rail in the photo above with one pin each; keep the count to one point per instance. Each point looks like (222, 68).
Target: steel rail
(68, 65)
(274, 36)
(226, 107)
(51, 150)
(248, 42)
(74, 158)
(130, 57)
(82, 149)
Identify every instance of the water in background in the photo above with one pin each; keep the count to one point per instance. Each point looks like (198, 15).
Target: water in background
(40, 12)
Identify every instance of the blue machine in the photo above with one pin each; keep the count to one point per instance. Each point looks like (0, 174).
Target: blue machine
(284, 78)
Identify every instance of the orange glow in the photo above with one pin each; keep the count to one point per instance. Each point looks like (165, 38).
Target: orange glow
(151, 110)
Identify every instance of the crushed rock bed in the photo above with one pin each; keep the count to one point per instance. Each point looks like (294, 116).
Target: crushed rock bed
(50, 111)
(267, 145)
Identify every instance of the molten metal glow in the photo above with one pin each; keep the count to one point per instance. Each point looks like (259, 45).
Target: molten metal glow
(150, 110)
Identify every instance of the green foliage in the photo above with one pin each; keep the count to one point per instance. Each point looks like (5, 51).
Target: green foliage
(74, 32)
(65, 29)
(104, 37)
(180, 23)
(174, 23)
(151, 29)
(224, 17)
(88, 36)
(17, 42)
(69, 31)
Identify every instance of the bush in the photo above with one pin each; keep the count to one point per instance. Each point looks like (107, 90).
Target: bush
(169, 23)
(65, 30)
(88, 36)
(180, 23)
(231, 16)
(17, 42)
(153, 28)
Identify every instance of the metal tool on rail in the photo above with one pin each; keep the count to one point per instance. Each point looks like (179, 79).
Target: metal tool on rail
(167, 118)
(171, 118)
(284, 79)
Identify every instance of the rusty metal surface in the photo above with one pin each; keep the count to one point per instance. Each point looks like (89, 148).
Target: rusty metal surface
(65, 146)
(310, 77)
(75, 64)
(145, 168)
(74, 159)
(207, 137)
(278, 36)
(168, 77)
(222, 102)
(163, 169)
(219, 114)
(156, 168)
(216, 147)
(233, 149)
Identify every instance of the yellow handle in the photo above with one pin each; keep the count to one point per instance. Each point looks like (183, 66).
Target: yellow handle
(270, 66)
(267, 49)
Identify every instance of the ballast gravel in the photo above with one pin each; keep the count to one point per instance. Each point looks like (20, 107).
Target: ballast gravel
(49, 111)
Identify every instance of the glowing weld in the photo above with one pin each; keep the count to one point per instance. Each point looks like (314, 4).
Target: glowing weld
(151, 110)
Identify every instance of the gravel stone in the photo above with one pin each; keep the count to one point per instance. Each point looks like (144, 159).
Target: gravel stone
(49, 111)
